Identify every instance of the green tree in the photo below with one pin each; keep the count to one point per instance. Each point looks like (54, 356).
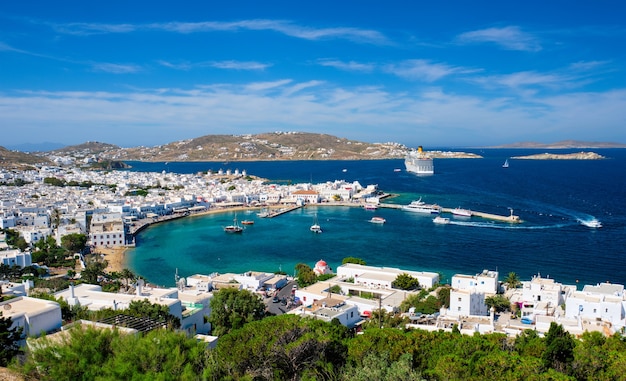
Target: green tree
(232, 308)
(377, 366)
(9, 340)
(512, 281)
(405, 282)
(559, 351)
(74, 243)
(285, 347)
(499, 303)
(154, 311)
(356, 260)
(305, 275)
(92, 271)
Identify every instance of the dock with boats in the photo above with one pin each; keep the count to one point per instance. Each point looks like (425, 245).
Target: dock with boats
(489, 216)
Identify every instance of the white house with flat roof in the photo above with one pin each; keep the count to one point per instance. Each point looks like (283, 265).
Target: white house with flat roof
(15, 258)
(36, 316)
(382, 277)
(328, 309)
(604, 302)
(468, 293)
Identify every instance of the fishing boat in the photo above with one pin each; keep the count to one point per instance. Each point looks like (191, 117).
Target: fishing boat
(378, 220)
(462, 212)
(593, 223)
(441, 220)
(420, 206)
(234, 228)
(506, 164)
(315, 228)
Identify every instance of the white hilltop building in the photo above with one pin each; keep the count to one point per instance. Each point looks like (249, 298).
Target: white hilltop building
(35, 316)
(330, 308)
(382, 277)
(468, 293)
(367, 288)
(603, 305)
(188, 303)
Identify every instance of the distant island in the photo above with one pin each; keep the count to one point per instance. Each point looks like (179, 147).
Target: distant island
(564, 144)
(567, 156)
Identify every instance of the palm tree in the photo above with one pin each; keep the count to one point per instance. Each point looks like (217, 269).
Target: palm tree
(512, 281)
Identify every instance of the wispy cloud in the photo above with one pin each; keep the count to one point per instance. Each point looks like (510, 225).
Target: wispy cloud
(348, 66)
(115, 68)
(510, 38)
(572, 76)
(424, 70)
(285, 27)
(230, 65)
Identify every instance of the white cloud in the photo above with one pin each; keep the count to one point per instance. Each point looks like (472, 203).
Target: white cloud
(429, 116)
(279, 26)
(424, 70)
(510, 38)
(115, 68)
(348, 66)
(230, 65)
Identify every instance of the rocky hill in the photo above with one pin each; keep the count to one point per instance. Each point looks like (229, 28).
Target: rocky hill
(268, 146)
(19, 160)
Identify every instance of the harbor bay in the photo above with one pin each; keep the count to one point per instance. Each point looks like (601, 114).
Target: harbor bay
(550, 197)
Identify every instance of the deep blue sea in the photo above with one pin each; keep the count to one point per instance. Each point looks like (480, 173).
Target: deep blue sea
(549, 196)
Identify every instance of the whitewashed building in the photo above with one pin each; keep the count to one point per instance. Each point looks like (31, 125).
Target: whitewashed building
(604, 302)
(468, 293)
(107, 230)
(382, 277)
(35, 316)
(15, 258)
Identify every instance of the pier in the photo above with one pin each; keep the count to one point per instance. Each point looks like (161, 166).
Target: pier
(278, 212)
(489, 216)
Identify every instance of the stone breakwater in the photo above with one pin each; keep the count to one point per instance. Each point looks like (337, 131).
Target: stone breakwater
(568, 156)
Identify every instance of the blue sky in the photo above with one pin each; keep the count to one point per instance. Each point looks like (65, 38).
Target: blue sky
(450, 73)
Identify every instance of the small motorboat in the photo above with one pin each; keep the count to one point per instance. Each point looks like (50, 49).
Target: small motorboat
(593, 223)
(378, 220)
(441, 220)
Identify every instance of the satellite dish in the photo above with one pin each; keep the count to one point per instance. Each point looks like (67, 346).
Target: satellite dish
(7, 306)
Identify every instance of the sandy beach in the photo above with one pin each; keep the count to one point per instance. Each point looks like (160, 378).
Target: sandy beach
(115, 256)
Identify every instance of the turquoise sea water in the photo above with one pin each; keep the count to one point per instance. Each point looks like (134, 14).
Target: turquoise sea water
(548, 195)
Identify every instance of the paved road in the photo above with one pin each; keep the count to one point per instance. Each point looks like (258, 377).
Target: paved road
(280, 308)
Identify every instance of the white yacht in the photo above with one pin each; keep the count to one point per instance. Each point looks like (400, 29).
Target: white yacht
(420, 206)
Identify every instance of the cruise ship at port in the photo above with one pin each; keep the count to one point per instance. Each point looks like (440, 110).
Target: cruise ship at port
(419, 163)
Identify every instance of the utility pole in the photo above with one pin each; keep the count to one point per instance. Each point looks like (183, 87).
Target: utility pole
(380, 311)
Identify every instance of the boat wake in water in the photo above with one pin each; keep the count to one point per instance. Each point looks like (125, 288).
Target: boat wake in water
(493, 225)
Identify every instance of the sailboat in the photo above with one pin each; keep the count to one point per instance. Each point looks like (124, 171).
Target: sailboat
(315, 228)
(234, 228)
(506, 164)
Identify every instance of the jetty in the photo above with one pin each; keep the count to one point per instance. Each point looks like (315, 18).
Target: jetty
(489, 216)
(281, 211)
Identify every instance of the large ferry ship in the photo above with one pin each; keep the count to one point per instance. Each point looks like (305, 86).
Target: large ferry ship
(418, 162)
